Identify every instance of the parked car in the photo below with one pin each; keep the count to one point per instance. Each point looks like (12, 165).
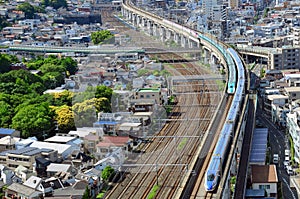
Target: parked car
(289, 170)
(286, 163)
(275, 158)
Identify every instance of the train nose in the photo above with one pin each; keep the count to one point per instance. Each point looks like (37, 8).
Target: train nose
(210, 185)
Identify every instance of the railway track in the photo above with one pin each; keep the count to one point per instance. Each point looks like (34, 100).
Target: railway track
(166, 161)
(199, 189)
(167, 168)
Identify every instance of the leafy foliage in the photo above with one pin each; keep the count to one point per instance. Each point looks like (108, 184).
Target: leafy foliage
(103, 91)
(54, 3)
(107, 173)
(33, 118)
(5, 62)
(3, 23)
(84, 113)
(100, 36)
(5, 114)
(28, 9)
(86, 194)
(65, 119)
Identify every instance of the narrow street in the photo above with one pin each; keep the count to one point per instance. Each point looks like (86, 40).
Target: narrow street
(278, 143)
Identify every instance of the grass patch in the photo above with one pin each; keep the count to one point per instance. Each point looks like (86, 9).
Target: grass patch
(153, 192)
(182, 143)
(292, 150)
(221, 84)
(169, 65)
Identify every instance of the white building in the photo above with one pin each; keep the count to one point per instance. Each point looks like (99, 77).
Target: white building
(292, 122)
(63, 150)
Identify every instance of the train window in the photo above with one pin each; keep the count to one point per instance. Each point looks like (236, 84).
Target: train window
(211, 177)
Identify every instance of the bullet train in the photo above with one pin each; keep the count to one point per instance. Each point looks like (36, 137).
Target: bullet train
(216, 165)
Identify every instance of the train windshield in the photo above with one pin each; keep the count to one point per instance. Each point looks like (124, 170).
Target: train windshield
(211, 177)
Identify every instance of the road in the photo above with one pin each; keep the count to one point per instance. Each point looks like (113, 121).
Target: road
(278, 145)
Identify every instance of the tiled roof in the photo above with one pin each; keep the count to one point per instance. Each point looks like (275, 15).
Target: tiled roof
(264, 174)
(113, 141)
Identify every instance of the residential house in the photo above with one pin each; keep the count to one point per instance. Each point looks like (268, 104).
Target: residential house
(37, 184)
(110, 143)
(292, 79)
(292, 92)
(74, 192)
(90, 142)
(54, 168)
(9, 132)
(265, 177)
(41, 166)
(271, 100)
(23, 173)
(131, 129)
(8, 143)
(84, 131)
(108, 122)
(16, 190)
(6, 174)
(82, 161)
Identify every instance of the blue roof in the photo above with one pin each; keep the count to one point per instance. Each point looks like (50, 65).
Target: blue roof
(255, 193)
(259, 145)
(106, 122)
(4, 131)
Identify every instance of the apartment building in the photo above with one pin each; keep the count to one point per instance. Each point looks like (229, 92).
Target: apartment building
(292, 122)
(286, 57)
(149, 93)
(26, 157)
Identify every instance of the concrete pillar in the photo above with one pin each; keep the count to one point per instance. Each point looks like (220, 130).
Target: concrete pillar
(183, 41)
(133, 19)
(176, 37)
(138, 21)
(206, 56)
(162, 33)
(168, 34)
(155, 30)
(150, 27)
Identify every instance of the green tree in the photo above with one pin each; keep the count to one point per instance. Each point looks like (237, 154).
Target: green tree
(3, 23)
(65, 119)
(5, 114)
(103, 91)
(33, 118)
(70, 65)
(58, 3)
(86, 194)
(102, 105)
(28, 9)
(100, 36)
(5, 63)
(63, 98)
(107, 173)
(84, 113)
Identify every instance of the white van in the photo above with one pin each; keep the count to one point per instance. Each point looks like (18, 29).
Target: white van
(287, 153)
(275, 158)
(289, 170)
